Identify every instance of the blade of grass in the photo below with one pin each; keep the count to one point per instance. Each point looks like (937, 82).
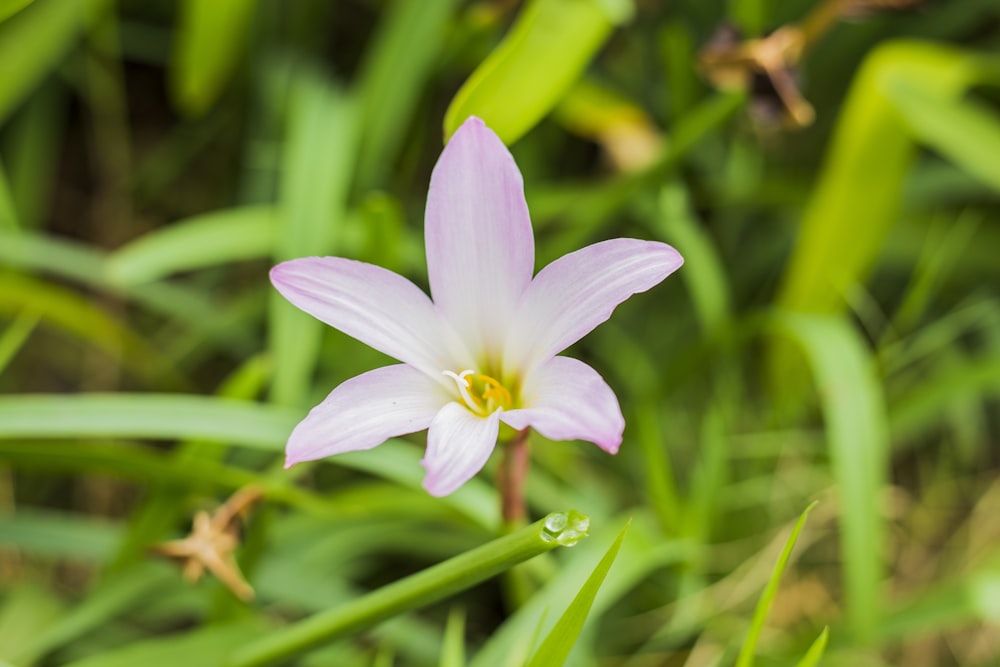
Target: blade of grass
(80, 317)
(208, 44)
(52, 534)
(816, 650)
(206, 240)
(393, 76)
(36, 39)
(453, 650)
(545, 52)
(86, 265)
(746, 655)
(853, 405)
(165, 416)
(960, 129)
(706, 278)
(318, 167)
(857, 197)
(10, 7)
(205, 647)
(109, 600)
(24, 613)
(559, 642)
(8, 214)
(14, 336)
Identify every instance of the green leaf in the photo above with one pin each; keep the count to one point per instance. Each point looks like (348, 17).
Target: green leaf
(24, 613)
(745, 658)
(8, 213)
(453, 650)
(81, 317)
(962, 130)
(857, 197)
(14, 336)
(206, 240)
(545, 52)
(816, 650)
(857, 431)
(33, 42)
(393, 77)
(51, 534)
(111, 598)
(559, 642)
(10, 7)
(206, 647)
(417, 590)
(704, 274)
(166, 416)
(87, 266)
(208, 44)
(317, 169)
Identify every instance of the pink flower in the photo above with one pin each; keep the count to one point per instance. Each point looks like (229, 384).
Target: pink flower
(483, 351)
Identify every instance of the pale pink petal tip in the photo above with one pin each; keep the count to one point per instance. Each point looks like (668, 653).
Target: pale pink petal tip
(570, 401)
(458, 445)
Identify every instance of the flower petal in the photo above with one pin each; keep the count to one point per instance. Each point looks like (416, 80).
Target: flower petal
(365, 411)
(458, 445)
(480, 248)
(575, 293)
(569, 400)
(378, 307)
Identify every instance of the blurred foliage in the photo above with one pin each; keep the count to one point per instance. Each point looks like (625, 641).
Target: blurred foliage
(830, 169)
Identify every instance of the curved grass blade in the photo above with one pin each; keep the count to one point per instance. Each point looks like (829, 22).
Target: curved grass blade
(545, 52)
(745, 658)
(166, 416)
(10, 7)
(206, 647)
(857, 430)
(208, 44)
(33, 42)
(453, 650)
(318, 169)
(206, 240)
(559, 642)
(15, 335)
(816, 650)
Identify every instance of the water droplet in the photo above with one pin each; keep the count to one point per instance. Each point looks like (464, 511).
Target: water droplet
(565, 528)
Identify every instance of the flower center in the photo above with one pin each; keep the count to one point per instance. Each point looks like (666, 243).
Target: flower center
(481, 393)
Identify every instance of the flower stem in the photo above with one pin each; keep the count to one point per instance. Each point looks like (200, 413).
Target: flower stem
(511, 476)
(417, 590)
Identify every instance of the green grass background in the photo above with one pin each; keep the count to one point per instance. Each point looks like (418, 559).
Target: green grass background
(834, 336)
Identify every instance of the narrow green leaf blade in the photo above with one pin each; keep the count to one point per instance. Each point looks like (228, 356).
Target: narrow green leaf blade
(318, 167)
(208, 44)
(206, 240)
(962, 130)
(857, 430)
(33, 42)
(746, 655)
(10, 7)
(559, 642)
(453, 650)
(396, 67)
(167, 416)
(816, 650)
(205, 647)
(544, 53)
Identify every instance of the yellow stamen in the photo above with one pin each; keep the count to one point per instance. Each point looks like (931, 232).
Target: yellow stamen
(481, 393)
(495, 391)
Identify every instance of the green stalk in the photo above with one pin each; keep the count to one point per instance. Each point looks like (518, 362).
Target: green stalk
(420, 589)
